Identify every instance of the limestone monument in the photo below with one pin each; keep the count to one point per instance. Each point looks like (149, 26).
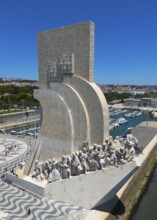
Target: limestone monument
(74, 109)
(74, 138)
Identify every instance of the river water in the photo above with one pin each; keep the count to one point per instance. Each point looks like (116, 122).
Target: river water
(147, 208)
(132, 122)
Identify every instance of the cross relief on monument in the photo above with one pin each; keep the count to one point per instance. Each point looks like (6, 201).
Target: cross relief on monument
(63, 66)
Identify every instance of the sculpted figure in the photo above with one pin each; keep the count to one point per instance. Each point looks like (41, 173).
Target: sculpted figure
(131, 140)
(50, 166)
(37, 169)
(64, 168)
(90, 154)
(104, 147)
(113, 159)
(111, 147)
(85, 145)
(120, 153)
(107, 159)
(106, 141)
(75, 165)
(131, 154)
(46, 169)
(83, 160)
(99, 157)
(54, 175)
(93, 164)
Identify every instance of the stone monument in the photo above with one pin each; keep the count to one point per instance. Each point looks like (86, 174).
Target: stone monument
(74, 117)
(74, 109)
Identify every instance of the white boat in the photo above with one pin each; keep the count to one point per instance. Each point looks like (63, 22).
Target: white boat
(154, 115)
(136, 113)
(128, 115)
(122, 120)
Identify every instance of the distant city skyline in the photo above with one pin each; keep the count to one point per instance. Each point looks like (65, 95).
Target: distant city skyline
(125, 37)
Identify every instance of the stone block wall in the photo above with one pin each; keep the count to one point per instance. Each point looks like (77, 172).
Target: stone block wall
(76, 39)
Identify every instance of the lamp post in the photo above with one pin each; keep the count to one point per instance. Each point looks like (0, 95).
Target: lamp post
(23, 106)
(1, 110)
(1, 117)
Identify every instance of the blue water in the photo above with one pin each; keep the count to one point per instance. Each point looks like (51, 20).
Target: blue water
(147, 209)
(132, 122)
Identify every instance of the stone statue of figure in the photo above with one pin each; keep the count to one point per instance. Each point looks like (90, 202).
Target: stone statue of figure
(54, 175)
(37, 169)
(64, 168)
(111, 146)
(131, 140)
(130, 154)
(46, 169)
(99, 157)
(83, 160)
(93, 164)
(121, 154)
(104, 147)
(113, 159)
(49, 165)
(75, 165)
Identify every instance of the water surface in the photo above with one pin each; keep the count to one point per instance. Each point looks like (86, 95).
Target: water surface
(147, 208)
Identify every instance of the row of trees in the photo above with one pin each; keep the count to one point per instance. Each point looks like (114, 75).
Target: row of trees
(17, 97)
(12, 89)
(121, 96)
(11, 96)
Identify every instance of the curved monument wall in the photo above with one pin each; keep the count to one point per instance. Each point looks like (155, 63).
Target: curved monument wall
(96, 106)
(78, 111)
(57, 131)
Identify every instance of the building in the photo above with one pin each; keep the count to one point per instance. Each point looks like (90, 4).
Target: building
(132, 102)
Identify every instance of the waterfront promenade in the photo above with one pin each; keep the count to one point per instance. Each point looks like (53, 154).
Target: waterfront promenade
(141, 108)
(13, 123)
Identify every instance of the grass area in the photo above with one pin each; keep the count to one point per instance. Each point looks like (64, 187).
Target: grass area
(11, 111)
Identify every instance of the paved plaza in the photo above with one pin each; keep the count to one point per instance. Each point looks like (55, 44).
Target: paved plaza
(16, 203)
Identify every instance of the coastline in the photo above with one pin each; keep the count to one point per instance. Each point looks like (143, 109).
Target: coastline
(133, 191)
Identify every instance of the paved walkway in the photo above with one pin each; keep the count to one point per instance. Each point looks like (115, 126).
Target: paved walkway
(16, 203)
(22, 147)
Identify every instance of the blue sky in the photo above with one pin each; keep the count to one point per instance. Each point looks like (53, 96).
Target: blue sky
(125, 36)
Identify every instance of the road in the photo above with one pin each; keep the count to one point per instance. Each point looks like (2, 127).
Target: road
(19, 118)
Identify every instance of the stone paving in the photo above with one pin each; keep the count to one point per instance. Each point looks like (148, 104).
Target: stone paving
(16, 203)
(5, 142)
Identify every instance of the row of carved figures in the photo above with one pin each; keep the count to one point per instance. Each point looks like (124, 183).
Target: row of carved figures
(87, 159)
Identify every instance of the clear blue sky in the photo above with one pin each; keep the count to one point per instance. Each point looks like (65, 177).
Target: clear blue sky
(125, 36)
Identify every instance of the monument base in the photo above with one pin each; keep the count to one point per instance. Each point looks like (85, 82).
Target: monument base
(86, 190)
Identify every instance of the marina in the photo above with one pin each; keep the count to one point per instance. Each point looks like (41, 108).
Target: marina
(121, 120)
